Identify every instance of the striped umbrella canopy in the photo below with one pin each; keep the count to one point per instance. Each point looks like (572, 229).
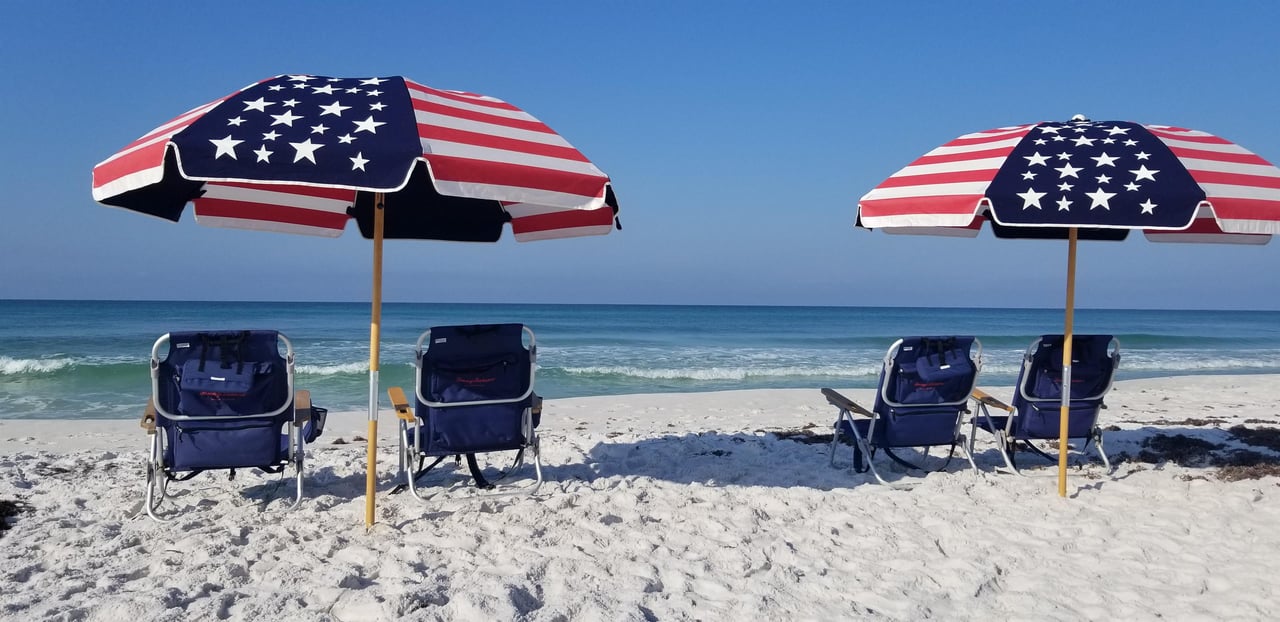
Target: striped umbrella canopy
(305, 154)
(1082, 179)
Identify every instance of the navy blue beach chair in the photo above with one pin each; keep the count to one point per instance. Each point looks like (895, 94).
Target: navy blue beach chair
(1036, 411)
(474, 395)
(224, 400)
(921, 399)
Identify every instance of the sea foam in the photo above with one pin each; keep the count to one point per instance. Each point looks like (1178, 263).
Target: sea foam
(14, 367)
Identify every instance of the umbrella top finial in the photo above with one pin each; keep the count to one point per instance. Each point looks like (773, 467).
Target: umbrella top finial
(1079, 118)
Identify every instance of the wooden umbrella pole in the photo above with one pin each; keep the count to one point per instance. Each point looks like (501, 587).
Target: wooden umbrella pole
(375, 337)
(1066, 363)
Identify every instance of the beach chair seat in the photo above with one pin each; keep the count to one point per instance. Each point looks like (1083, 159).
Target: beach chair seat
(921, 398)
(224, 400)
(473, 395)
(1035, 411)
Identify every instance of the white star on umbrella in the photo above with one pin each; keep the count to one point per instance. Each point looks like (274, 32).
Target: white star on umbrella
(1144, 173)
(287, 118)
(1064, 205)
(368, 125)
(1100, 198)
(358, 162)
(306, 150)
(226, 146)
(1035, 159)
(1068, 171)
(1148, 207)
(1105, 160)
(263, 154)
(1031, 198)
(259, 104)
(335, 109)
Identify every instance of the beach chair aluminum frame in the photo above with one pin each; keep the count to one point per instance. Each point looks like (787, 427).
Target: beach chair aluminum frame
(158, 476)
(848, 408)
(1005, 437)
(411, 426)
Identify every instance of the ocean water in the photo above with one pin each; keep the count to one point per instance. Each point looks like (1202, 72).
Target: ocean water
(89, 359)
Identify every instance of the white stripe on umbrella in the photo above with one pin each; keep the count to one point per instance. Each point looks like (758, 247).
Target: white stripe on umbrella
(304, 210)
(531, 222)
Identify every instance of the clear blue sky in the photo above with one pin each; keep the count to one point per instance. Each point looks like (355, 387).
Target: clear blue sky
(739, 136)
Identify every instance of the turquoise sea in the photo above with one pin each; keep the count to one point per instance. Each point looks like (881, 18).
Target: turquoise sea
(88, 359)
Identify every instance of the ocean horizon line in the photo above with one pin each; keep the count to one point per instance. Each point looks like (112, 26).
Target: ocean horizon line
(642, 304)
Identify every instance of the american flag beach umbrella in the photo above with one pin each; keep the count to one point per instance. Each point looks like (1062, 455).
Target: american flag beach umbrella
(305, 154)
(1082, 179)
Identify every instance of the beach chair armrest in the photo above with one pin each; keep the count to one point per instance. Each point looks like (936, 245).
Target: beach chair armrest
(148, 421)
(301, 408)
(839, 401)
(400, 404)
(536, 408)
(983, 397)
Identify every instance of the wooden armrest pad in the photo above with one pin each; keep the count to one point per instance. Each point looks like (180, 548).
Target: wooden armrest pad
(148, 422)
(399, 403)
(839, 401)
(301, 407)
(986, 398)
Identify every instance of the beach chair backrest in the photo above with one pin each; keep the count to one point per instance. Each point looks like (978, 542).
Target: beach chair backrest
(223, 374)
(930, 371)
(474, 388)
(1093, 368)
(477, 363)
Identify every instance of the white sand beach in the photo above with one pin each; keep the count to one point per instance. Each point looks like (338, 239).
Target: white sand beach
(670, 507)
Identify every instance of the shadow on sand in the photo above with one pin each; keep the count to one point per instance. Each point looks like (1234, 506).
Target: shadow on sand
(782, 458)
(786, 458)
